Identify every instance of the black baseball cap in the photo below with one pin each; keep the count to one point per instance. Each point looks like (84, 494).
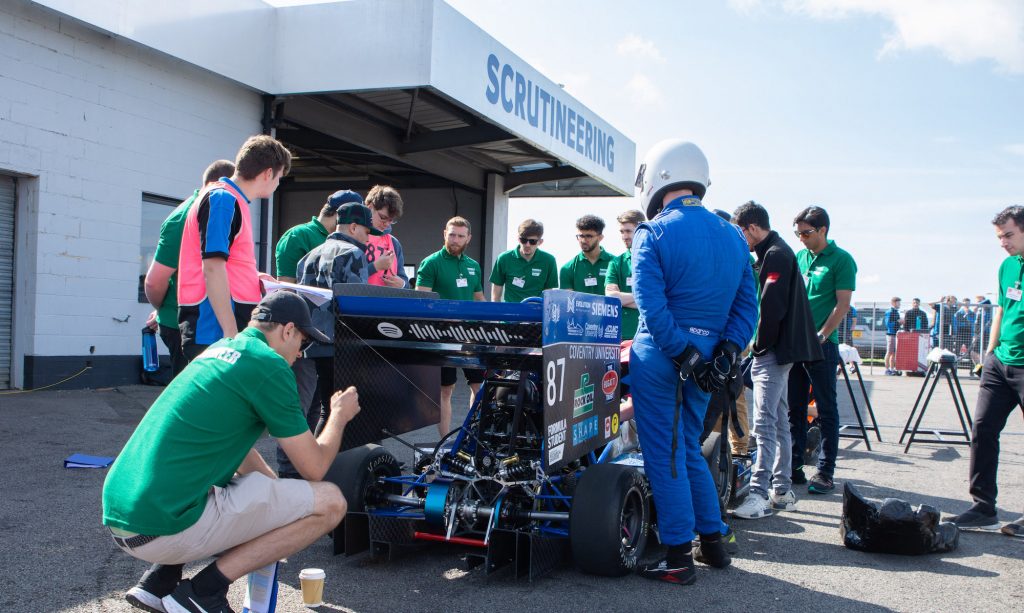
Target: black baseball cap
(284, 307)
(341, 197)
(357, 212)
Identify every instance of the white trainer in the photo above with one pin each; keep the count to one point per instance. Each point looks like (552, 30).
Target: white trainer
(783, 502)
(754, 507)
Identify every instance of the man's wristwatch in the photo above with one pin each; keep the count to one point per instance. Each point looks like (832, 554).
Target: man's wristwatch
(821, 338)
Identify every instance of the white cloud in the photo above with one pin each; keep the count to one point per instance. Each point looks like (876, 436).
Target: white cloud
(1015, 148)
(642, 90)
(637, 47)
(963, 31)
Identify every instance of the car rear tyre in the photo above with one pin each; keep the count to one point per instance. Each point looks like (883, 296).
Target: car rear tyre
(721, 472)
(357, 470)
(610, 519)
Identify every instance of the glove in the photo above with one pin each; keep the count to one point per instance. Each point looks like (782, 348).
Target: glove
(687, 361)
(714, 375)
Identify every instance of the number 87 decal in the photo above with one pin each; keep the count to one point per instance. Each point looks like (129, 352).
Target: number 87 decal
(551, 376)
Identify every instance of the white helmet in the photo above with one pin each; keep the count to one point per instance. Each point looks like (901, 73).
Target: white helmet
(670, 165)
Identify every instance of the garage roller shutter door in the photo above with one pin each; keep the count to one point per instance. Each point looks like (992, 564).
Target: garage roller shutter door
(6, 278)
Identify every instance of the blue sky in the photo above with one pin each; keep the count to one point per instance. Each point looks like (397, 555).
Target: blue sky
(902, 118)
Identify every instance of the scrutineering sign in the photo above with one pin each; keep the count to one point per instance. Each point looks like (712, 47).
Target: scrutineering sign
(581, 374)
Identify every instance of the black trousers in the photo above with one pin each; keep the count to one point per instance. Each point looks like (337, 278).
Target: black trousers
(1001, 391)
(172, 338)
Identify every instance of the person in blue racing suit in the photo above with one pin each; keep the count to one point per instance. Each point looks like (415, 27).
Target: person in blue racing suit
(695, 291)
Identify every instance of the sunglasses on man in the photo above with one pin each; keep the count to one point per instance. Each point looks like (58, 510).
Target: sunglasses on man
(528, 241)
(805, 233)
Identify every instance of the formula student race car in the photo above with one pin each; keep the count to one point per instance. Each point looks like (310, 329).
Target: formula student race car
(535, 474)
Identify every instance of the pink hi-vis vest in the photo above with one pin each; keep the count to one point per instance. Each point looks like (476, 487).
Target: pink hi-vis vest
(243, 279)
(376, 246)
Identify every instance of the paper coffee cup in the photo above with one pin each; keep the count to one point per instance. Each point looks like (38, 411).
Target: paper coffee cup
(312, 581)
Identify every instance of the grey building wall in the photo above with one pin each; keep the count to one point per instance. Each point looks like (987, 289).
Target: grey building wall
(89, 122)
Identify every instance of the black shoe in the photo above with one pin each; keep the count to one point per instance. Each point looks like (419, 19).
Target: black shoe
(798, 477)
(820, 484)
(660, 571)
(1015, 528)
(152, 587)
(712, 553)
(976, 519)
(185, 600)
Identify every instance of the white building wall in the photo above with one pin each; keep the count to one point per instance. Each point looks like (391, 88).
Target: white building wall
(99, 121)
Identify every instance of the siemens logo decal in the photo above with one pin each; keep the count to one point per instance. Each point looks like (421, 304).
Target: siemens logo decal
(542, 109)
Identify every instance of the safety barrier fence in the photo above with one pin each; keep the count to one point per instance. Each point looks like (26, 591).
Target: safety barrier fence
(964, 328)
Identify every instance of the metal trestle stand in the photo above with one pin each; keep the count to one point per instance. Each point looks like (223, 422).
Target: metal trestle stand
(861, 430)
(936, 370)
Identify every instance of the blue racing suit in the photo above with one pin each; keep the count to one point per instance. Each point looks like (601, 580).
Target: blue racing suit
(693, 284)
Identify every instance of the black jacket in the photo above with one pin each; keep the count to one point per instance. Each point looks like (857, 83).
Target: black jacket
(785, 325)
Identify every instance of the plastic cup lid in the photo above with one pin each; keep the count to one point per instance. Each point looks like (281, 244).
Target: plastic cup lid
(312, 573)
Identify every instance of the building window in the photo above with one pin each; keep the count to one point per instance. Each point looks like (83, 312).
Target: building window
(155, 210)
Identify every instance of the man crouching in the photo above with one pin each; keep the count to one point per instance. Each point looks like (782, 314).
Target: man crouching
(189, 484)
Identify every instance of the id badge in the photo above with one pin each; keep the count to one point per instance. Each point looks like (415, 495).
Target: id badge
(590, 282)
(518, 282)
(461, 282)
(629, 281)
(1014, 293)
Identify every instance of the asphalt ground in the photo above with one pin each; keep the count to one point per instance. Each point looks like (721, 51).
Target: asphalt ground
(55, 555)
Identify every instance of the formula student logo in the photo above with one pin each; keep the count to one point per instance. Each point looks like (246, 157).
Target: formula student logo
(583, 397)
(520, 96)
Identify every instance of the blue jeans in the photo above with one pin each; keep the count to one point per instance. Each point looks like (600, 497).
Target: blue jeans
(773, 468)
(822, 376)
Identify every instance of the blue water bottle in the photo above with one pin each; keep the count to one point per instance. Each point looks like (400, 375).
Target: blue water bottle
(150, 357)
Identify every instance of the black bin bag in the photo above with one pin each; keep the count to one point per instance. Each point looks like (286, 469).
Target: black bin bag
(894, 526)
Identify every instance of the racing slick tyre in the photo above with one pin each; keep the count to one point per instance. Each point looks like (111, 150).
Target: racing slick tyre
(610, 519)
(721, 471)
(356, 472)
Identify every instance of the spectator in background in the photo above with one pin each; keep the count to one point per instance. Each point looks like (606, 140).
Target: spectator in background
(982, 331)
(619, 280)
(963, 328)
(915, 320)
(892, 326)
(942, 329)
(846, 329)
(587, 271)
(524, 271)
(384, 252)
(162, 277)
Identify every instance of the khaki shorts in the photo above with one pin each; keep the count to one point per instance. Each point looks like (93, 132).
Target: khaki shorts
(248, 507)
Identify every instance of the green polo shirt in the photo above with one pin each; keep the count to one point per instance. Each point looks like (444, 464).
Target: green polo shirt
(1010, 349)
(620, 272)
(296, 243)
(524, 278)
(581, 276)
(453, 278)
(198, 432)
(824, 274)
(168, 248)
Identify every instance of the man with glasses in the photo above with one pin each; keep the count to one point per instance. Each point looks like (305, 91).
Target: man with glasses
(454, 276)
(301, 239)
(524, 271)
(587, 271)
(383, 251)
(619, 280)
(189, 483)
(830, 275)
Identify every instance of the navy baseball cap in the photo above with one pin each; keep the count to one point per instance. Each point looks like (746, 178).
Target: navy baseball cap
(341, 197)
(357, 212)
(284, 307)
